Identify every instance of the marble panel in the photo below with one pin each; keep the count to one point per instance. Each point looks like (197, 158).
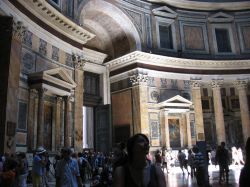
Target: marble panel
(122, 108)
(43, 64)
(22, 115)
(21, 138)
(194, 37)
(43, 47)
(27, 39)
(246, 37)
(153, 95)
(55, 53)
(27, 61)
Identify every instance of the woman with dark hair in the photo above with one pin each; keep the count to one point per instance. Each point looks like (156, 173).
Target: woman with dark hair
(245, 172)
(138, 171)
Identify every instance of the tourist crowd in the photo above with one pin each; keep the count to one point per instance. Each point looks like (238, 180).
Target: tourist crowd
(75, 169)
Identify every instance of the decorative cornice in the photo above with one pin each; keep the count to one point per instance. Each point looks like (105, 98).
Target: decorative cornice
(197, 5)
(241, 84)
(138, 77)
(44, 11)
(173, 62)
(216, 83)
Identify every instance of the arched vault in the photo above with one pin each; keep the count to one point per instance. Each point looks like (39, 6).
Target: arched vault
(115, 33)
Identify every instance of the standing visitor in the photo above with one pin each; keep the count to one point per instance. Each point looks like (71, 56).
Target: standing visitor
(245, 172)
(222, 158)
(138, 171)
(38, 169)
(67, 171)
(22, 169)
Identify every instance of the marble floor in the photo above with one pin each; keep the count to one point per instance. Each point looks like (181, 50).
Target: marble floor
(175, 177)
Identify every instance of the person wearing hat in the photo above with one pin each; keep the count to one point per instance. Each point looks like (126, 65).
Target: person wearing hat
(67, 171)
(38, 168)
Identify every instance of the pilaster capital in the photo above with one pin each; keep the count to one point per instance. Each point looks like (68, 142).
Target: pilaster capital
(216, 83)
(195, 83)
(139, 77)
(241, 84)
(18, 30)
(78, 61)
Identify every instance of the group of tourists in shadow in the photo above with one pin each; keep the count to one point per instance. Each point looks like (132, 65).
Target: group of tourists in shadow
(130, 165)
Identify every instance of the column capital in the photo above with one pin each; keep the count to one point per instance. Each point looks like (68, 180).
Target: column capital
(195, 83)
(138, 77)
(41, 91)
(216, 83)
(78, 61)
(18, 30)
(241, 84)
(58, 99)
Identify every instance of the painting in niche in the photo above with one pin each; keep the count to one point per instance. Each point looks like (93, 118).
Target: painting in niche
(174, 132)
(48, 113)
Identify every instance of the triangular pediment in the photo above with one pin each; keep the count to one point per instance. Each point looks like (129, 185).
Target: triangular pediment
(220, 17)
(176, 101)
(56, 81)
(61, 74)
(164, 12)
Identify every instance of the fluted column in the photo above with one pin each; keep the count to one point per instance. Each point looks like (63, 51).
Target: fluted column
(40, 117)
(140, 110)
(66, 121)
(218, 111)
(241, 85)
(196, 97)
(189, 138)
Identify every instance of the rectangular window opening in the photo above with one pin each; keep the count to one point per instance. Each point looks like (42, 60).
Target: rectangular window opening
(166, 40)
(223, 40)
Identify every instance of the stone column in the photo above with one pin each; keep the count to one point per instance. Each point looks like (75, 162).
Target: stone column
(163, 131)
(66, 121)
(78, 102)
(218, 111)
(40, 116)
(31, 121)
(196, 97)
(189, 138)
(58, 123)
(167, 130)
(139, 95)
(241, 85)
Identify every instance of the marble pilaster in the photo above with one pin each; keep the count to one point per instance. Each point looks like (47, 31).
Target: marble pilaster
(78, 102)
(218, 111)
(140, 109)
(241, 86)
(196, 97)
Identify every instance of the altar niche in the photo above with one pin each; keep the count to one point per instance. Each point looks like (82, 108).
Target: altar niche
(174, 133)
